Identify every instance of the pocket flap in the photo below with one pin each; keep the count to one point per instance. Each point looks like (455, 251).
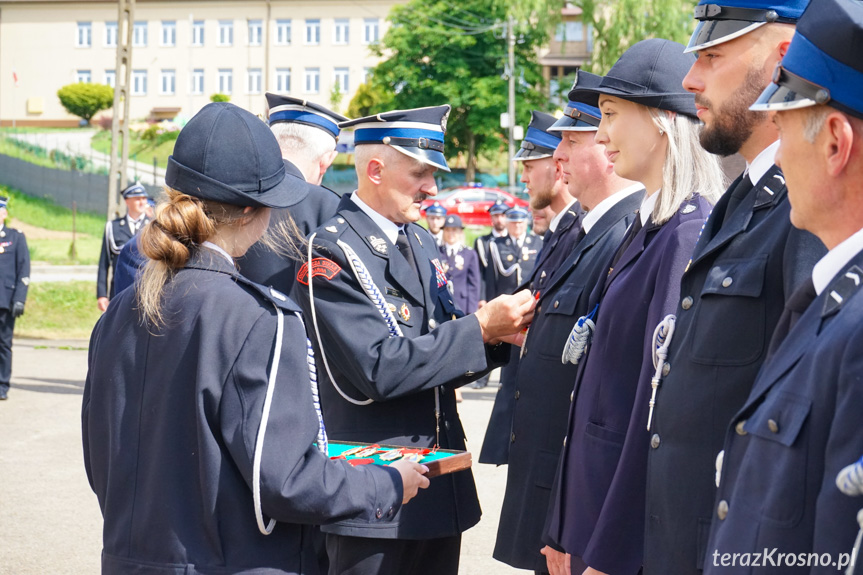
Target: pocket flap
(564, 301)
(737, 277)
(779, 418)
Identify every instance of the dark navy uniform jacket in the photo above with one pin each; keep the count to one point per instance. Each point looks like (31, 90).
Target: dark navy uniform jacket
(731, 297)
(14, 267)
(799, 427)
(170, 423)
(480, 246)
(117, 233)
(462, 269)
(264, 266)
(509, 266)
(598, 511)
(399, 374)
(542, 388)
(556, 247)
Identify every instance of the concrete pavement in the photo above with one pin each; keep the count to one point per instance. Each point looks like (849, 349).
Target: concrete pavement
(49, 273)
(49, 517)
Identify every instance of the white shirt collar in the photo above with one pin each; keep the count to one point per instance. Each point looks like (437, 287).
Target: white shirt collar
(497, 234)
(390, 229)
(555, 221)
(646, 209)
(218, 250)
(453, 248)
(762, 162)
(519, 241)
(602, 207)
(833, 262)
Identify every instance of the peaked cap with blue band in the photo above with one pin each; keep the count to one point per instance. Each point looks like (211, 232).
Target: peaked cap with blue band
(498, 207)
(824, 64)
(436, 210)
(724, 20)
(516, 214)
(650, 73)
(538, 143)
(285, 109)
(417, 133)
(135, 190)
(582, 112)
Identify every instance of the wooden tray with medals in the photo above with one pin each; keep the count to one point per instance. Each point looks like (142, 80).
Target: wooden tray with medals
(438, 461)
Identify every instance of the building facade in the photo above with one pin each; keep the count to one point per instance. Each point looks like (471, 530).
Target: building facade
(185, 51)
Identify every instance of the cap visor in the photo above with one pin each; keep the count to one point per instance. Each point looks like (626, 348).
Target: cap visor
(567, 124)
(712, 32)
(534, 154)
(776, 97)
(426, 156)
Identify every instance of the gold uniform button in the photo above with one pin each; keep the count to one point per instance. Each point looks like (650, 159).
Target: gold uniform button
(517, 394)
(727, 281)
(556, 304)
(432, 324)
(772, 425)
(654, 441)
(722, 510)
(739, 428)
(666, 369)
(572, 396)
(512, 437)
(469, 374)
(564, 441)
(686, 303)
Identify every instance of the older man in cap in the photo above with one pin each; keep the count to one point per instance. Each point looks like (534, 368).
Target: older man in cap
(747, 262)
(542, 383)
(14, 280)
(778, 503)
(117, 233)
(307, 134)
(391, 345)
(513, 257)
(435, 218)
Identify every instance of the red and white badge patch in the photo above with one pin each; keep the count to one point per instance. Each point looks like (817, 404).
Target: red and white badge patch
(320, 267)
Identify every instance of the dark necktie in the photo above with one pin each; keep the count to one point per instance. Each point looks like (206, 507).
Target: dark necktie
(743, 187)
(633, 231)
(794, 308)
(404, 247)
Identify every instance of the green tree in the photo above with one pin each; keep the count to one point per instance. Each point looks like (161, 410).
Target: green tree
(86, 100)
(369, 99)
(618, 24)
(336, 96)
(450, 52)
(217, 97)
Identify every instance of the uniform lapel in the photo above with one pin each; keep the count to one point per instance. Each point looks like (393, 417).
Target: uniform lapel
(422, 258)
(633, 252)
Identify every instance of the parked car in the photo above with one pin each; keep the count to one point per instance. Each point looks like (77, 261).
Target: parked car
(472, 202)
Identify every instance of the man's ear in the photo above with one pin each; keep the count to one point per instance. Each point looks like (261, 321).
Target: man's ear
(838, 143)
(327, 160)
(374, 170)
(783, 48)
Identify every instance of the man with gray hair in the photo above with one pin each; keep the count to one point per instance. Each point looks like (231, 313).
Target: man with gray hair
(307, 134)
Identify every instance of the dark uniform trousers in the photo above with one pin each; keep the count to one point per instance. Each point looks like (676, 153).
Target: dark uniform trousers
(117, 233)
(784, 448)
(170, 420)
(597, 512)
(400, 375)
(556, 247)
(264, 266)
(542, 388)
(746, 264)
(14, 280)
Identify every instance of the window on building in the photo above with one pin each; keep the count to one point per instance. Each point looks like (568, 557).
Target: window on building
(341, 79)
(313, 31)
(110, 34)
(139, 82)
(139, 34)
(256, 32)
(168, 82)
(312, 83)
(110, 78)
(198, 81)
(283, 32)
(83, 76)
(371, 30)
(226, 32)
(571, 31)
(366, 72)
(253, 85)
(84, 35)
(341, 31)
(169, 33)
(283, 79)
(198, 33)
(226, 81)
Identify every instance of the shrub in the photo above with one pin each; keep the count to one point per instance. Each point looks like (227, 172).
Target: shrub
(86, 100)
(220, 98)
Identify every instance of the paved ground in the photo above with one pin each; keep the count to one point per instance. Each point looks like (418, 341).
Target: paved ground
(49, 517)
(50, 273)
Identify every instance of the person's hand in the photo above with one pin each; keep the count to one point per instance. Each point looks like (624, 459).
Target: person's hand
(505, 315)
(17, 309)
(592, 571)
(413, 478)
(102, 303)
(557, 562)
(481, 303)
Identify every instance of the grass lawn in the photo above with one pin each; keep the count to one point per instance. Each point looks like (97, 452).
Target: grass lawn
(139, 150)
(59, 310)
(7, 148)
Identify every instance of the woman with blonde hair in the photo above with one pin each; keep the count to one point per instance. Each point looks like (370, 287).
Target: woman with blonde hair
(650, 132)
(201, 438)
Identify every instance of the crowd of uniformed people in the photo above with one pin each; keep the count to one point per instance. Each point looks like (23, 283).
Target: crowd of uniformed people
(682, 361)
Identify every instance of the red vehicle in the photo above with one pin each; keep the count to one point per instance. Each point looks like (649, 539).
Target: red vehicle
(472, 202)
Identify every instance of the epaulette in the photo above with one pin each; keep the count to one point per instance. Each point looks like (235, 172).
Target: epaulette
(333, 228)
(270, 294)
